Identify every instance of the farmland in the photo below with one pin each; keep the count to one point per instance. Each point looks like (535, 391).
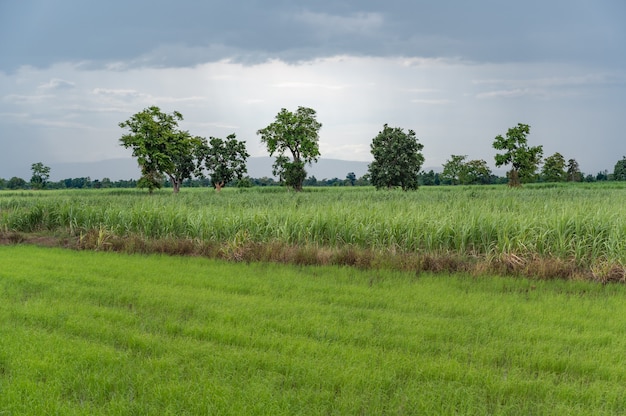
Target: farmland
(95, 333)
(573, 231)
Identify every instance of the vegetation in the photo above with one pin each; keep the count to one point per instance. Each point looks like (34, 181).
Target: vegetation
(160, 147)
(295, 133)
(41, 174)
(568, 231)
(398, 159)
(554, 168)
(225, 160)
(87, 333)
(457, 171)
(453, 169)
(619, 172)
(573, 171)
(522, 158)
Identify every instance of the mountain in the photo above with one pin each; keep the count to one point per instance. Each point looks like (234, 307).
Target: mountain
(114, 169)
(258, 167)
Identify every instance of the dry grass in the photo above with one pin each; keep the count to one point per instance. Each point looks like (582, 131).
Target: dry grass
(240, 250)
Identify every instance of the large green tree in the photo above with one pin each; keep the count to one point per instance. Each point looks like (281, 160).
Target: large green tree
(293, 137)
(160, 147)
(225, 160)
(397, 159)
(453, 169)
(619, 172)
(553, 169)
(475, 172)
(523, 159)
(40, 177)
(16, 183)
(573, 171)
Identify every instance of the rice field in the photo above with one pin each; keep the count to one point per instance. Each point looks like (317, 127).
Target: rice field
(582, 227)
(99, 333)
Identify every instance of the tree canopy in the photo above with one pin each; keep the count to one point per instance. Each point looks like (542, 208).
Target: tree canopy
(41, 174)
(225, 160)
(397, 159)
(475, 172)
(523, 159)
(295, 134)
(453, 169)
(573, 171)
(160, 147)
(619, 172)
(553, 169)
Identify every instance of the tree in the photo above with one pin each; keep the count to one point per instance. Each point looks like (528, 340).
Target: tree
(453, 169)
(16, 183)
(40, 177)
(619, 172)
(522, 158)
(603, 175)
(351, 178)
(475, 172)
(225, 160)
(427, 178)
(573, 171)
(397, 159)
(160, 147)
(295, 133)
(151, 180)
(554, 168)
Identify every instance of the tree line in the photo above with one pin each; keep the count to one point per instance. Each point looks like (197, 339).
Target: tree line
(171, 157)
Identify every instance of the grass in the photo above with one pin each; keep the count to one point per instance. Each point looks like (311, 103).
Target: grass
(89, 333)
(547, 230)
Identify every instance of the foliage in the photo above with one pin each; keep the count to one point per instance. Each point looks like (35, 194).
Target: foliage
(619, 172)
(16, 183)
(40, 177)
(553, 169)
(351, 178)
(397, 159)
(573, 171)
(151, 180)
(297, 134)
(225, 160)
(577, 228)
(453, 169)
(430, 178)
(522, 158)
(160, 146)
(457, 171)
(475, 172)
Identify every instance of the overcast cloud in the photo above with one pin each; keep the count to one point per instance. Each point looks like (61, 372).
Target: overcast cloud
(458, 73)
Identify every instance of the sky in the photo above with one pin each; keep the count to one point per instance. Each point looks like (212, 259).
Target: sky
(458, 73)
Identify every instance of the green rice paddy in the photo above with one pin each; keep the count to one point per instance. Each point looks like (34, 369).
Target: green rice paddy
(94, 333)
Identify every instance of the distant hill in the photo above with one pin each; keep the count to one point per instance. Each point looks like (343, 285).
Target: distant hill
(114, 169)
(258, 167)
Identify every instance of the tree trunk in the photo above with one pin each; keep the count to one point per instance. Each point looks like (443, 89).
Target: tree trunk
(176, 185)
(514, 181)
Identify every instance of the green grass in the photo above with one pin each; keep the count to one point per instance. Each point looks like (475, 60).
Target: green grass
(579, 226)
(87, 333)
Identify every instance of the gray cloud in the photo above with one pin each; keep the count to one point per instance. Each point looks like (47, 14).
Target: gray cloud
(40, 33)
(458, 73)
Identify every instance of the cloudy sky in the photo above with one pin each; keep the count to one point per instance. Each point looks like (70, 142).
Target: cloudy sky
(457, 72)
